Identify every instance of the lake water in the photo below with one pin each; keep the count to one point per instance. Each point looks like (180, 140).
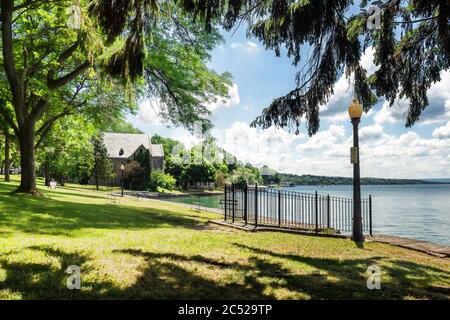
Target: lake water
(414, 211)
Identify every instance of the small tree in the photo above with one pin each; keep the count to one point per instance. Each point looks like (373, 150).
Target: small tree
(102, 164)
(133, 172)
(143, 159)
(159, 179)
(245, 175)
(220, 179)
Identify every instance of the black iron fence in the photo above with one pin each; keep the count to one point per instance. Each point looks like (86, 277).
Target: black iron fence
(288, 209)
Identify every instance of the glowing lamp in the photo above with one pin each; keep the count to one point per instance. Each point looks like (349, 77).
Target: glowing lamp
(355, 110)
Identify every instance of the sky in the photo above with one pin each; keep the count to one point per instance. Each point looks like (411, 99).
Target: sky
(387, 148)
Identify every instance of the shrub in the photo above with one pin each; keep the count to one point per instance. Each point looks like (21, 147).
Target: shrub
(159, 179)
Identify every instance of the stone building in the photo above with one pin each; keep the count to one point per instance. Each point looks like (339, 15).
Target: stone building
(124, 147)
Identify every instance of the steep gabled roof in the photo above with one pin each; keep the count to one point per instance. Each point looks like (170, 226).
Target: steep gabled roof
(129, 143)
(156, 150)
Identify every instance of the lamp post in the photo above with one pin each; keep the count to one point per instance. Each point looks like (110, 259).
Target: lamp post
(355, 111)
(122, 167)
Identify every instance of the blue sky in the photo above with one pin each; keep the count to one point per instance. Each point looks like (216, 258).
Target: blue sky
(388, 149)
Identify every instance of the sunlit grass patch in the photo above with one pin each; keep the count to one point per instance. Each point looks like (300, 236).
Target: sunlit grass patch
(155, 250)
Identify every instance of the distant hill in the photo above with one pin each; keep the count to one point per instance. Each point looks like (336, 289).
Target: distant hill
(322, 180)
(439, 180)
(296, 180)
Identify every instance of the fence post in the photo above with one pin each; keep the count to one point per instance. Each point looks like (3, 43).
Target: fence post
(256, 205)
(245, 203)
(279, 208)
(232, 201)
(328, 212)
(225, 203)
(317, 212)
(370, 215)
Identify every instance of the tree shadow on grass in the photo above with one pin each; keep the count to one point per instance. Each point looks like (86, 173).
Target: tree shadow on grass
(8, 189)
(44, 281)
(164, 277)
(58, 217)
(263, 276)
(174, 276)
(402, 279)
(86, 194)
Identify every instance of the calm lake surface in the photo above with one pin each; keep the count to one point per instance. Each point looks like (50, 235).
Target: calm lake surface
(414, 211)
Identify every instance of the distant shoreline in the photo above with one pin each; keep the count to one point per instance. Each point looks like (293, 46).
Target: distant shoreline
(364, 184)
(292, 180)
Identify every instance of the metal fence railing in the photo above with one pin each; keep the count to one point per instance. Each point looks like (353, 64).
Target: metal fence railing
(288, 209)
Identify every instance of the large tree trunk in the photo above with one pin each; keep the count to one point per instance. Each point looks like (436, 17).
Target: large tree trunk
(27, 160)
(7, 162)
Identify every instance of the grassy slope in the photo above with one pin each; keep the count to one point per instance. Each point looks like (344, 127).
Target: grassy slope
(153, 250)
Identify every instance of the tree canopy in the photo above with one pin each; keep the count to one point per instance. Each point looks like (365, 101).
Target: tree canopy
(53, 69)
(411, 46)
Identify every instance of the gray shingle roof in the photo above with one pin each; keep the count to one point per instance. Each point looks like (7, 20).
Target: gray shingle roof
(114, 142)
(156, 150)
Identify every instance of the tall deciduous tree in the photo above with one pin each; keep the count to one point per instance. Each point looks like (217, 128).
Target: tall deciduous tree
(41, 58)
(67, 153)
(48, 67)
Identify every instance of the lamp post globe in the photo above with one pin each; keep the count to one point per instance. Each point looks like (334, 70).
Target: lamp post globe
(355, 111)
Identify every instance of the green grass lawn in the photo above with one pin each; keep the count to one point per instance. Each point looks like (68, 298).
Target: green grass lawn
(154, 250)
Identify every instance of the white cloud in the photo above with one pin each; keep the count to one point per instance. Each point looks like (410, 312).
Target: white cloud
(248, 46)
(323, 139)
(392, 114)
(367, 61)
(406, 156)
(327, 153)
(438, 110)
(439, 97)
(260, 147)
(186, 137)
(336, 108)
(442, 132)
(149, 112)
(441, 88)
(232, 100)
(368, 133)
(150, 109)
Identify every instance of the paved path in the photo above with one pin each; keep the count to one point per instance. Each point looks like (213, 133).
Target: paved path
(418, 245)
(192, 206)
(251, 228)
